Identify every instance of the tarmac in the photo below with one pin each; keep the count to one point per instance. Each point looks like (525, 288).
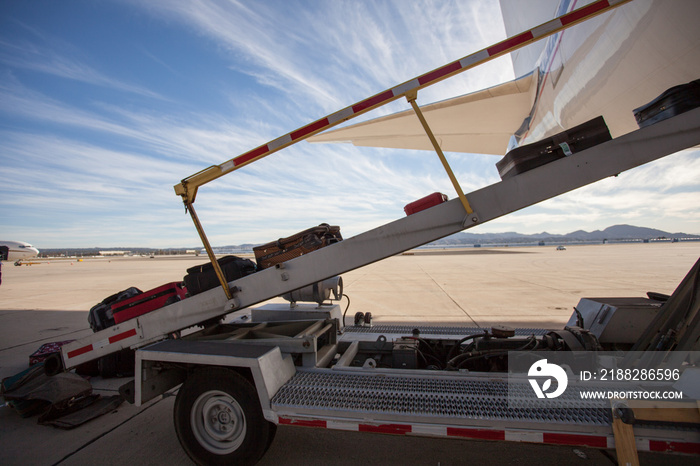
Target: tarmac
(533, 287)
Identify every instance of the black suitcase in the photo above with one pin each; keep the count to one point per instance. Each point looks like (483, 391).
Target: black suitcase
(100, 316)
(203, 277)
(119, 364)
(577, 139)
(674, 101)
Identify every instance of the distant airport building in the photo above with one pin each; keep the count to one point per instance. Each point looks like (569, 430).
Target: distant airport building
(114, 253)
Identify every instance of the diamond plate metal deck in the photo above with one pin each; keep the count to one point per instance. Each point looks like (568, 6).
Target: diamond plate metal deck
(430, 399)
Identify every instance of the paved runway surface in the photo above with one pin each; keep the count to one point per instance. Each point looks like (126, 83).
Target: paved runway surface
(521, 287)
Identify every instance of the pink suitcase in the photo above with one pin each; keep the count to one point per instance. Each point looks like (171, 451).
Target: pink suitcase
(425, 203)
(148, 301)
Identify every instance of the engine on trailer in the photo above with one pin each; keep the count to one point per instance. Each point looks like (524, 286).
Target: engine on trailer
(486, 351)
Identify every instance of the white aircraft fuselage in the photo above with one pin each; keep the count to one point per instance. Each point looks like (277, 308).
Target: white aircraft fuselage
(612, 64)
(18, 250)
(608, 65)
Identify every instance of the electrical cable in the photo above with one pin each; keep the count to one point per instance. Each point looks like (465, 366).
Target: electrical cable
(346, 307)
(459, 361)
(450, 355)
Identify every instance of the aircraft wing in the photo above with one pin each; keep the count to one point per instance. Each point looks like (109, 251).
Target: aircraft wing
(481, 122)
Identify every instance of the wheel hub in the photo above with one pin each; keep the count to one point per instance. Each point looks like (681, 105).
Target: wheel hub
(224, 417)
(218, 422)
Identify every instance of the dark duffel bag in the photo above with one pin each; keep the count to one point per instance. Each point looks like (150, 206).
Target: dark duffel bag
(676, 100)
(296, 245)
(100, 316)
(577, 139)
(119, 364)
(203, 277)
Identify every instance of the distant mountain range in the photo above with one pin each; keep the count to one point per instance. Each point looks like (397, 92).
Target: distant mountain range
(617, 233)
(614, 233)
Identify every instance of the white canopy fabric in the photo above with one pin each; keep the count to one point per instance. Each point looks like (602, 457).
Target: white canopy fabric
(481, 122)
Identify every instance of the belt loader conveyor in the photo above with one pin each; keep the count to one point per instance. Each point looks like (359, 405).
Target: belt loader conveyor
(313, 390)
(556, 178)
(239, 380)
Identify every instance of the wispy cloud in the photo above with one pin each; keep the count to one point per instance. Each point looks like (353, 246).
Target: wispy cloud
(194, 137)
(344, 51)
(42, 58)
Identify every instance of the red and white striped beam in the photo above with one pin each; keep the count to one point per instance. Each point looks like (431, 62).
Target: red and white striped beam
(188, 187)
(100, 344)
(511, 435)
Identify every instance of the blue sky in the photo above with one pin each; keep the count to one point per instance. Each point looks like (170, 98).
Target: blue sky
(105, 106)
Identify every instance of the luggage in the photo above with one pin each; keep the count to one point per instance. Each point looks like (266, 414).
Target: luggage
(425, 203)
(203, 277)
(119, 364)
(674, 101)
(100, 316)
(148, 301)
(46, 350)
(296, 245)
(32, 391)
(566, 143)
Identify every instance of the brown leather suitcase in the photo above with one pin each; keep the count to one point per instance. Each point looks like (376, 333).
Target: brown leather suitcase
(296, 245)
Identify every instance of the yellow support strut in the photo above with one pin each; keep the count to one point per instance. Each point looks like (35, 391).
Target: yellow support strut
(412, 100)
(210, 252)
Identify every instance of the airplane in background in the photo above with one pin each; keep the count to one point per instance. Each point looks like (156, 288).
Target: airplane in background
(608, 65)
(16, 251)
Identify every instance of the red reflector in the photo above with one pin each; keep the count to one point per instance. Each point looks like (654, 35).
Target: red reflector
(484, 434)
(680, 447)
(573, 439)
(398, 429)
(372, 101)
(439, 73)
(79, 351)
(512, 42)
(122, 336)
(310, 128)
(302, 423)
(241, 159)
(583, 12)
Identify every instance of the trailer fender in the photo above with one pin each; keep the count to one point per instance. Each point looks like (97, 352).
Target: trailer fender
(162, 366)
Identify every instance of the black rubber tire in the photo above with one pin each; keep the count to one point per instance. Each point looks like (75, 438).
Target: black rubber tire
(271, 435)
(218, 419)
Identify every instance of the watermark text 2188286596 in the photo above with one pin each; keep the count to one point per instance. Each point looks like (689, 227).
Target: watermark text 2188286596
(593, 379)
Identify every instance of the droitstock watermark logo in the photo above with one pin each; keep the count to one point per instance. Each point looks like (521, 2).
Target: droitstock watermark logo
(592, 379)
(550, 372)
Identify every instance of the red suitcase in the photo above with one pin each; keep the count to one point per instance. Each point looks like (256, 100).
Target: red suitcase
(148, 301)
(425, 203)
